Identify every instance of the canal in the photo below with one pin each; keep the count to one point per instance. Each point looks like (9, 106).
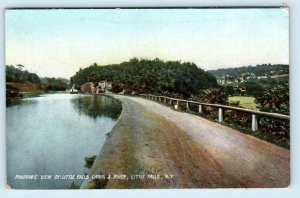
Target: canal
(51, 135)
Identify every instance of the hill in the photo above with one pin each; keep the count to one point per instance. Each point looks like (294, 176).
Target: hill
(20, 80)
(240, 74)
(149, 76)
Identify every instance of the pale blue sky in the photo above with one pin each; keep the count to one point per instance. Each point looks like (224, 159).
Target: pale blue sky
(58, 42)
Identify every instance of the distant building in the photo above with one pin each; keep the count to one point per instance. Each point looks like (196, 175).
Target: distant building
(104, 86)
(72, 89)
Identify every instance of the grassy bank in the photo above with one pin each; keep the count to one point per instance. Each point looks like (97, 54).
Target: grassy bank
(25, 87)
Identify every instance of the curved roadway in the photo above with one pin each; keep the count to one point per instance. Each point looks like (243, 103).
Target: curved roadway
(153, 146)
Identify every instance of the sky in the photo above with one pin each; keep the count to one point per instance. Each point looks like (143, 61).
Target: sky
(57, 42)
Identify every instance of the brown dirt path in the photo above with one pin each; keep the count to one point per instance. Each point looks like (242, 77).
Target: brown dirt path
(151, 139)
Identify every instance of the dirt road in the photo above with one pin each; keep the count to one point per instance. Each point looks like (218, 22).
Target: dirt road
(154, 146)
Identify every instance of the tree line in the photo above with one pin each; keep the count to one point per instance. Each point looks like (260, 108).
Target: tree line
(16, 74)
(149, 76)
(258, 70)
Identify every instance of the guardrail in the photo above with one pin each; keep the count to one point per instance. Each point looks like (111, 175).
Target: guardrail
(254, 124)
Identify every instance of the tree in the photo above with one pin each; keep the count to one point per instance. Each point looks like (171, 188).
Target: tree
(20, 66)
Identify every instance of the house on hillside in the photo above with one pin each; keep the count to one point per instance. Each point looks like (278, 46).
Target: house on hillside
(100, 87)
(104, 86)
(239, 90)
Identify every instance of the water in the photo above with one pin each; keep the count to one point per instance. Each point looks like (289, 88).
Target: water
(52, 134)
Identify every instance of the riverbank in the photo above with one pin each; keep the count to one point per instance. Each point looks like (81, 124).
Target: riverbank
(16, 91)
(154, 146)
(25, 87)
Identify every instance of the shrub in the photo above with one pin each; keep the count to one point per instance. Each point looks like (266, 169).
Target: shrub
(73, 185)
(275, 100)
(98, 183)
(237, 118)
(211, 96)
(88, 161)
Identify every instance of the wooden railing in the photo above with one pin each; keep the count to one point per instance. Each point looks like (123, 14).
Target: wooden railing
(254, 124)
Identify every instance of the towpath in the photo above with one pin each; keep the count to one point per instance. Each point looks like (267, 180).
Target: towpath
(157, 147)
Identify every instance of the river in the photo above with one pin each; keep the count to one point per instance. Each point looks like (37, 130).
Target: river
(52, 134)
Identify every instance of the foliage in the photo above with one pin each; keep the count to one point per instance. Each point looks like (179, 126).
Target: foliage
(74, 185)
(211, 96)
(278, 130)
(88, 161)
(254, 88)
(247, 78)
(149, 76)
(14, 74)
(228, 89)
(54, 84)
(214, 96)
(237, 118)
(17, 75)
(98, 183)
(275, 100)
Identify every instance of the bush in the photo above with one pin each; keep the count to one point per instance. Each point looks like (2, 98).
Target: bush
(98, 183)
(254, 88)
(275, 100)
(277, 130)
(237, 118)
(73, 185)
(88, 161)
(212, 96)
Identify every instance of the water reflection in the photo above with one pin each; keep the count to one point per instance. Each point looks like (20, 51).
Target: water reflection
(97, 106)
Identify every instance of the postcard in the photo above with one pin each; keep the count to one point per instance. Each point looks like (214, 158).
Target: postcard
(147, 98)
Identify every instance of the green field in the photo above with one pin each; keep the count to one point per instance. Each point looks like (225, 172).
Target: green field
(245, 102)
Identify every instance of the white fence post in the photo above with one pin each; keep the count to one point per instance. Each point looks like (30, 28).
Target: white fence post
(176, 106)
(200, 109)
(220, 115)
(254, 125)
(254, 120)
